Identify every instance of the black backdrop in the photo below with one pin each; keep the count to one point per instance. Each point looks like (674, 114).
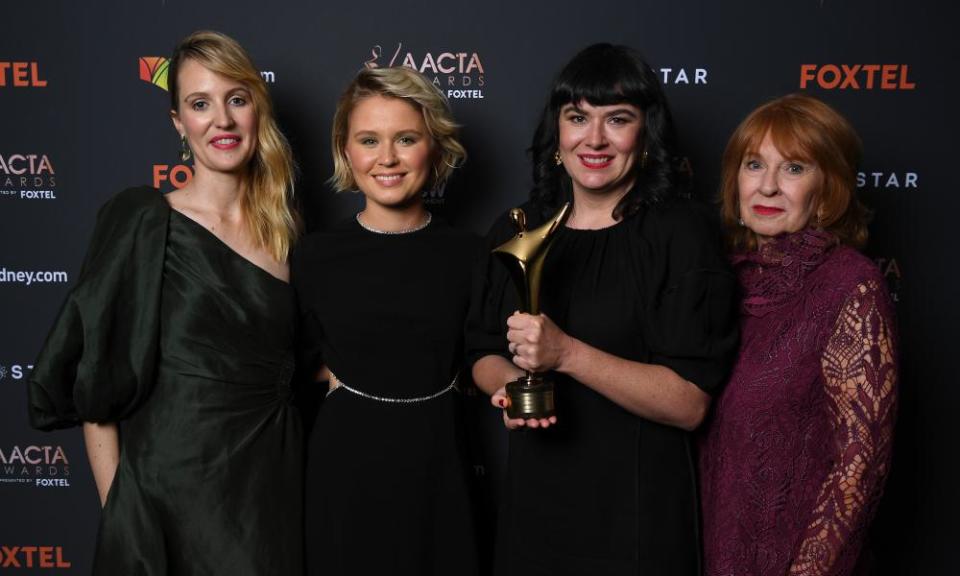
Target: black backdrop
(77, 124)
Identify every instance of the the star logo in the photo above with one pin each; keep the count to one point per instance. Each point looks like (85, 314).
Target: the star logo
(3, 372)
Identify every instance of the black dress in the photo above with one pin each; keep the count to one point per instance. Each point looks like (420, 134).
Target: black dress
(606, 492)
(189, 347)
(386, 489)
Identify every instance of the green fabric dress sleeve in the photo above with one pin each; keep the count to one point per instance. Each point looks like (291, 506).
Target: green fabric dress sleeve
(99, 360)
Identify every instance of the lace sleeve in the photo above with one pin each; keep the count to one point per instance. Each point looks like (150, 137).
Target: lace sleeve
(860, 373)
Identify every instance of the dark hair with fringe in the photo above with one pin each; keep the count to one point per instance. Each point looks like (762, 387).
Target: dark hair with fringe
(603, 75)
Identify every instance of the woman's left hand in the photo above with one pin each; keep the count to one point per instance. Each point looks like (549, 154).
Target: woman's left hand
(537, 344)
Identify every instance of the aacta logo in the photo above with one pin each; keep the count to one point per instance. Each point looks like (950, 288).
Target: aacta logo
(27, 176)
(890, 269)
(153, 69)
(458, 74)
(33, 557)
(857, 76)
(21, 75)
(42, 466)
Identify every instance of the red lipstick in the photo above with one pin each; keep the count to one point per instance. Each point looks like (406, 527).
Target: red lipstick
(595, 161)
(762, 210)
(225, 141)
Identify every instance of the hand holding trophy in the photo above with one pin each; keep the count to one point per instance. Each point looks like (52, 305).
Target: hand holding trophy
(531, 395)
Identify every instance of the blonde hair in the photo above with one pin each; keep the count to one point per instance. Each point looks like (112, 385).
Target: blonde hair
(268, 183)
(410, 86)
(802, 128)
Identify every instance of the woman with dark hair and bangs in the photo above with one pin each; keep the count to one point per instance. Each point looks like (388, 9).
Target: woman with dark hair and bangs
(638, 329)
(605, 75)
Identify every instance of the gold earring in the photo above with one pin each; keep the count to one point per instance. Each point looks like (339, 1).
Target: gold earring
(557, 158)
(185, 152)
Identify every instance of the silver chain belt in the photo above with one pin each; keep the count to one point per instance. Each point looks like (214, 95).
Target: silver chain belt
(340, 384)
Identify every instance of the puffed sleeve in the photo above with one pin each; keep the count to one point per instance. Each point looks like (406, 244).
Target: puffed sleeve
(860, 377)
(490, 297)
(692, 324)
(99, 360)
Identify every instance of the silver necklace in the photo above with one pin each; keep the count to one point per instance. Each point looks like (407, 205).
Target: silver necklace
(416, 228)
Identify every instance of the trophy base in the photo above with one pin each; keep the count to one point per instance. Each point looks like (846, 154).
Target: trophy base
(530, 397)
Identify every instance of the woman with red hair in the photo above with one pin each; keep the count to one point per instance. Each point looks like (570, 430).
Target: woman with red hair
(794, 455)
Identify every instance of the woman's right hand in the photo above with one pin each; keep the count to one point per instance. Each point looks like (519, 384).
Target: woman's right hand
(502, 401)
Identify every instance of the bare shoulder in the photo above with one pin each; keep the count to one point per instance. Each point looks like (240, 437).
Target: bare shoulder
(183, 200)
(188, 202)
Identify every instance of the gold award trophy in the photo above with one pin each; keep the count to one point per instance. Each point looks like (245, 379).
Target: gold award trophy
(531, 395)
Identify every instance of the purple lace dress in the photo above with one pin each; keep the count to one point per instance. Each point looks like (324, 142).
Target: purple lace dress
(794, 455)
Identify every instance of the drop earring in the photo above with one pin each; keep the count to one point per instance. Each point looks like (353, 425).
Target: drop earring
(556, 158)
(185, 152)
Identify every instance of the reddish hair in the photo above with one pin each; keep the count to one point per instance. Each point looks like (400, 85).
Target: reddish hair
(805, 129)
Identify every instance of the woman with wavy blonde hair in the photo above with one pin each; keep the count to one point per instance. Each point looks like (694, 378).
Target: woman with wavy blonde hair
(266, 181)
(175, 348)
(383, 297)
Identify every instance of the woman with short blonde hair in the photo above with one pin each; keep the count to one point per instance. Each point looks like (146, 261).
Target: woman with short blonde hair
(408, 84)
(383, 296)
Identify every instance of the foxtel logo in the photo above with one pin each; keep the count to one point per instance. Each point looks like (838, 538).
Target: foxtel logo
(21, 75)
(178, 175)
(857, 76)
(33, 557)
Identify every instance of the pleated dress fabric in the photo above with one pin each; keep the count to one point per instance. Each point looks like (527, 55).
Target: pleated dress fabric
(210, 473)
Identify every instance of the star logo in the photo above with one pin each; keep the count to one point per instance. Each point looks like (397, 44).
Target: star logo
(3, 371)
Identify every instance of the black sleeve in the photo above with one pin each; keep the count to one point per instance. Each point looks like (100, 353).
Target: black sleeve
(99, 360)
(309, 329)
(492, 299)
(693, 322)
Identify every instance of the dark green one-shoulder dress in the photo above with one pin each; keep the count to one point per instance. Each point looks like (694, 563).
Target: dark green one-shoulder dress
(189, 347)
